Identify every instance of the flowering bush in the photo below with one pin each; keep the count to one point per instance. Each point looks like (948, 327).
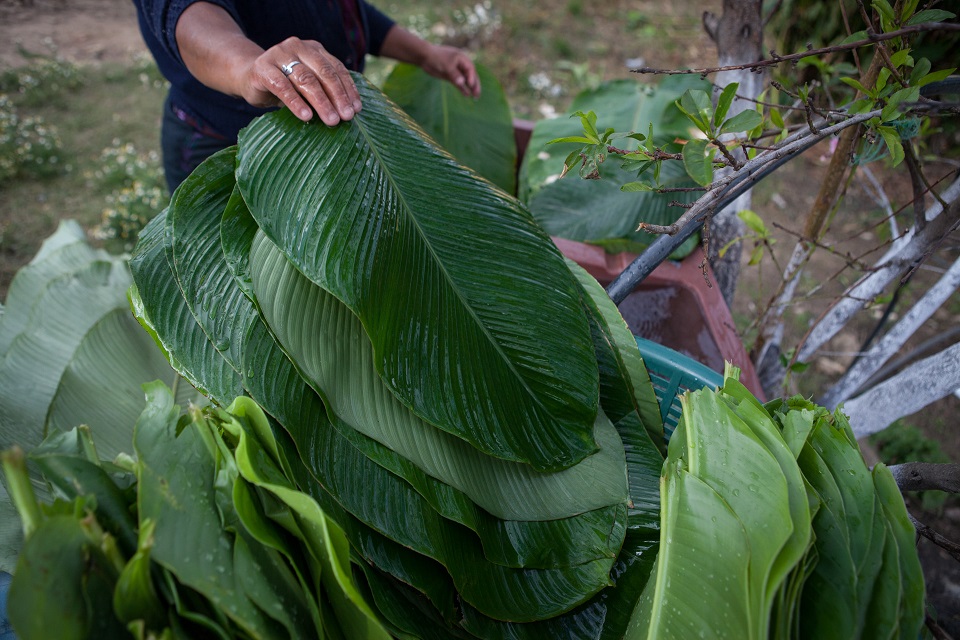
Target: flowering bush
(138, 192)
(28, 146)
(465, 27)
(46, 80)
(120, 165)
(128, 211)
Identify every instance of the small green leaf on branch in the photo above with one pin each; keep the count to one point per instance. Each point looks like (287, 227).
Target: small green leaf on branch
(743, 121)
(633, 187)
(754, 222)
(697, 162)
(892, 138)
(725, 100)
(931, 15)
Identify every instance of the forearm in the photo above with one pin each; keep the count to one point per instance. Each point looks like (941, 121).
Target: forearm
(214, 49)
(404, 46)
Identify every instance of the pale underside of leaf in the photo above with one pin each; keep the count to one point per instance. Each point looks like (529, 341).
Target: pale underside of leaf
(101, 386)
(699, 586)
(37, 357)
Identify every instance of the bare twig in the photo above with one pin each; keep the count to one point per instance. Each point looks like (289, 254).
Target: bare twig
(846, 23)
(895, 338)
(872, 38)
(938, 632)
(906, 250)
(917, 182)
(944, 543)
(851, 262)
(656, 154)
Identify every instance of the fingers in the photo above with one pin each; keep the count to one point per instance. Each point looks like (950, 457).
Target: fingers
(305, 77)
(455, 66)
(467, 81)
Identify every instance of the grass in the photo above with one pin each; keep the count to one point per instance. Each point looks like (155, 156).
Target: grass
(110, 105)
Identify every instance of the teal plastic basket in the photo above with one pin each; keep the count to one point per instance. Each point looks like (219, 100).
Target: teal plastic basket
(672, 373)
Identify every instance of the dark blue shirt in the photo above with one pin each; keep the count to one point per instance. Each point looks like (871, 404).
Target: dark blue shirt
(348, 29)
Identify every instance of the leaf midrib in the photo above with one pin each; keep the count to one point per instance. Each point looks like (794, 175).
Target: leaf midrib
(443, 269)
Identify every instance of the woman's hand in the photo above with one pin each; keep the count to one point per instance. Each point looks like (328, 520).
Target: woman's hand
(453, 65)
(440, 61)
(300, 74)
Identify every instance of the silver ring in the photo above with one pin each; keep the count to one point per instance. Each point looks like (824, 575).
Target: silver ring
(288, 68)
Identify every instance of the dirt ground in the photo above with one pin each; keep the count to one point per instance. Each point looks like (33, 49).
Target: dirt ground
(81, 30)
(105, 31)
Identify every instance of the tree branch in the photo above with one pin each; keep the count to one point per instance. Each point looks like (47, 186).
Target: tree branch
(870, 362)
(737, 183)
(944, 543)
(909, 391)
(927, 476)
(905, 250)
(872, 38)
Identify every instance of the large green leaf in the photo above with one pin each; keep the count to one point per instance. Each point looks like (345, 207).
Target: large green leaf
(473, 316)
(338, 469)
(76, 477)
(604, 617)
(478, 132)
(625, 382)
(329, 343)
(197, 262)
(728, 457)
(406, 611)
(500, 592)
(624, 105)
(101, 385)
(627, 394)
(906, 580)
(596, 211)
(71, 354)
(159, 306)
(62, 316)
(492, 589)
(726, 453)
(255, 455)
(64, 579)
(800, 538)
(700, 582)
(852, 530)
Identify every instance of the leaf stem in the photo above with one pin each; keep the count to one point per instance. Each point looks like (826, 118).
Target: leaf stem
(21, 492)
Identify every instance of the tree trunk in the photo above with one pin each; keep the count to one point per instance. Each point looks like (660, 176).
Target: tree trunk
(738, 34)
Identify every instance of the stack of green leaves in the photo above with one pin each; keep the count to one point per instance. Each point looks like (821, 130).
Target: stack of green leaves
(474, 415)
(71, 353)
(771, 516)
(200, 536)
